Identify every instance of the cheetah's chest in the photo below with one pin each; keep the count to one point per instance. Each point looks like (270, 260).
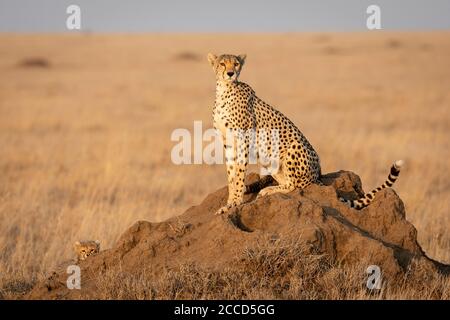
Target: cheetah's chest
(232, 111)
(220, 118)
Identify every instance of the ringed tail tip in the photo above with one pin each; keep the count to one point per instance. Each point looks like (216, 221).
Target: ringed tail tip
(399, 163)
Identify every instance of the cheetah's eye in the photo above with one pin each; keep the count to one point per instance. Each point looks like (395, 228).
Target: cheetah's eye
(92, 250)
(222, 64)
(236, 64)
(83, 251)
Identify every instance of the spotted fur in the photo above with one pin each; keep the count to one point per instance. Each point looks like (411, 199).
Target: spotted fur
(84, 249)
(238, 108)
(368, 197)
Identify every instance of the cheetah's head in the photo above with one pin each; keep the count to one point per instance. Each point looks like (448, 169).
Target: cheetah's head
(227, 66)
(84, 249)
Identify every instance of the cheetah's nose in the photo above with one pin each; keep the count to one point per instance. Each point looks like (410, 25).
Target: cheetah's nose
(230, 73)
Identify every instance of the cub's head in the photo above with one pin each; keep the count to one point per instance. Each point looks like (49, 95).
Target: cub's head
(84, 249)
(227, 67)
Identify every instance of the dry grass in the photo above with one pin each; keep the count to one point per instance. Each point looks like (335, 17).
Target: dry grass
(85, 144)
(282, 269)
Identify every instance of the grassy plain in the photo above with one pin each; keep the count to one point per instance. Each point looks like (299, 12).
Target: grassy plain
(86, 120)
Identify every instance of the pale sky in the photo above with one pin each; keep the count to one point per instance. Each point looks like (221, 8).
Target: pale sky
(222, 16)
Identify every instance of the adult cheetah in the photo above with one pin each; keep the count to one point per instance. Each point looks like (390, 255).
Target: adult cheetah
(237, 111)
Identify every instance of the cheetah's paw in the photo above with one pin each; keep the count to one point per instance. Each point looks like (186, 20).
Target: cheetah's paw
(225, 209)
(264, 192)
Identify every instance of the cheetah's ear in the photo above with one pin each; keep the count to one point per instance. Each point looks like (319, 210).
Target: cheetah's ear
(212, 59)
(76, 245)
(97, 242)
(242, 58)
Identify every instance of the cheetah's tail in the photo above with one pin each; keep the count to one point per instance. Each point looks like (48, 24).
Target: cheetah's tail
(258, 185)
(365, 200)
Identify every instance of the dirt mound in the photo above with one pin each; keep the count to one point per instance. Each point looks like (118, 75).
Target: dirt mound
(34, 62)
(188, 56)
(377, 235)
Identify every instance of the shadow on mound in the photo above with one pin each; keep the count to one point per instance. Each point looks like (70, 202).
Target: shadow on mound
(301, 245)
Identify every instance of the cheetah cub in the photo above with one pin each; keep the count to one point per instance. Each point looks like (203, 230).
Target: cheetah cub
(84, 249)
(238, 109)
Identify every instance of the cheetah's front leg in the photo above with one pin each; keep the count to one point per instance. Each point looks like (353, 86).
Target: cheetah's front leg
(237, 162)
(236, 187)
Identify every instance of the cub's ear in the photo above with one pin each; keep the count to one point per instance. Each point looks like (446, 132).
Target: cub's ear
(76, 245)
(212, 59)
(97, 242)
(242, 58)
